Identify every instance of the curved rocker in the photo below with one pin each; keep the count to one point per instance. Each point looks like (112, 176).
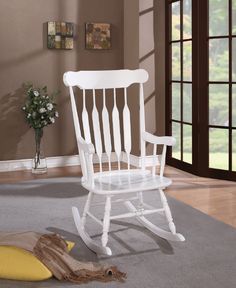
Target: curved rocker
(153, 228)
(89, 242)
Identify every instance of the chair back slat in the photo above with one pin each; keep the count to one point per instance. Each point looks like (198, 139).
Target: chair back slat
(106, 130)
(116, 129)
(85, 120)
(97, 131)
(127, 128)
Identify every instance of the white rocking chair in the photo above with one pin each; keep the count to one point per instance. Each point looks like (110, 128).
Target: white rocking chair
(133, 182)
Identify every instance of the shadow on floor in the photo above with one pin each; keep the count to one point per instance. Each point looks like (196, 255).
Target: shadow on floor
(48, 188)
(82, 253)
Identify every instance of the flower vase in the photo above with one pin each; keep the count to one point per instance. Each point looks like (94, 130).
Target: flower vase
(39, 164)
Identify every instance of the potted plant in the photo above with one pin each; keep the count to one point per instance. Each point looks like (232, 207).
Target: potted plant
(40, 111)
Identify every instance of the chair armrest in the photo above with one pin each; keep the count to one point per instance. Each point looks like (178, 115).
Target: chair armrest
(164, 140)
(86, 147)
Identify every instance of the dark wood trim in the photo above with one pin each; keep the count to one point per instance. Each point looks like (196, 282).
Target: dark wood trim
(230, 86)
(195, 90)
(220, 82)
(181, 78)
(179, 81)
(222, 37)
(181, 165)
(202, 156)
(179, 121)
(221, 174)
(168, 73)
(218, 126)
(180, 40)
(217, 37)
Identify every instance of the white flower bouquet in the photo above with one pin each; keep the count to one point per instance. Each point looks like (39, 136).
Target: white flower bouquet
(40, 108)
(40, 111)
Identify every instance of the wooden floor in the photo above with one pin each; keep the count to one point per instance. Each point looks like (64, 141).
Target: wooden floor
(216, 198)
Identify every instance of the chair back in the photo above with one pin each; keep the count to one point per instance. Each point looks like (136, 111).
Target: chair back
(104, 122)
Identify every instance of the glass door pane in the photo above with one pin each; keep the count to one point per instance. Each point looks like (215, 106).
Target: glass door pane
(187, 19)
(218, 148)
(187, 61)
(187, 143)
(218, 17)
(176, 64)
(187, 103)
(175, 31)
(233, 17)
(234, 59)
(176, 132)
(219, 104)
(219, 60)
(176, 101)
(234, 106)
(234, 150)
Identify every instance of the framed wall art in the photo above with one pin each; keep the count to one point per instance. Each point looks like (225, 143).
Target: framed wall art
(60, 35)
(98, 36)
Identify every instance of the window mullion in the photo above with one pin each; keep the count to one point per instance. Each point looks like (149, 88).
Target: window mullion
(230, 85)
(181, 77)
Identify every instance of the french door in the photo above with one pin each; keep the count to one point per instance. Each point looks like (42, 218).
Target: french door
(201, 86)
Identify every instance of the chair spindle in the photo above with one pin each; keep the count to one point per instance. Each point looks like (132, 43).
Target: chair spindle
(97, 131)
(116, 129)
(127, 128)
(106, 130)
(85, 120)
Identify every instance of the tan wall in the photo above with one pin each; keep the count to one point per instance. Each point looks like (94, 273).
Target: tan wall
(138, 40)
(145, 21)
(131, 61)
(24, 57)
(152, 58)
(159, 23)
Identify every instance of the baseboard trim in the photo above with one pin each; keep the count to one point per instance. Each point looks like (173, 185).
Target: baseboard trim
(73, 160)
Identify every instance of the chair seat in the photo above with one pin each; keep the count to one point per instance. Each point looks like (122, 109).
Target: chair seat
(123, 181)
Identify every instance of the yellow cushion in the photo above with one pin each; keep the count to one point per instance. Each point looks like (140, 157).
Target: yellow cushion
(18, 264)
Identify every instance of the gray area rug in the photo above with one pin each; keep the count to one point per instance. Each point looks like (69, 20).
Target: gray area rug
(207, 259)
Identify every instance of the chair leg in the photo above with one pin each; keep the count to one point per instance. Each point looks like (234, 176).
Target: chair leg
(106, 221)
(86, 208)
(90, 243)
(140, 197)
(167, 212)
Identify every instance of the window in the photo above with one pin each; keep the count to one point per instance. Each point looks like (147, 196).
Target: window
(201, 66)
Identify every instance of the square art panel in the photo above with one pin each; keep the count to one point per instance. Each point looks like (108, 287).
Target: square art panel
(98, 36)
(60, 35)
